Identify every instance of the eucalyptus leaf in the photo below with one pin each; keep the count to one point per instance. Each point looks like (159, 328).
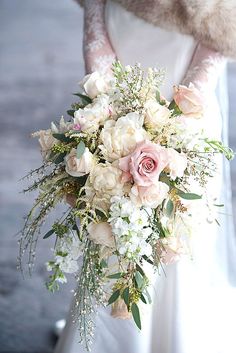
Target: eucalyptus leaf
(85, 99)
(143, 299)
(115, 275)
(60, 158)
(71, 112)
(169, 208)
(188, 195)
(114, 297)
(139, 268)
(148, 296)
(103, 263)
(158, 96)
(48, 234)
(139, 279)
(80, 149)
(62, 137)
(136, 315)
(125, 296)
(147, 259)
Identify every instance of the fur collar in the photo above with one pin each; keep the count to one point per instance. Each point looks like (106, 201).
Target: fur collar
(213, 22)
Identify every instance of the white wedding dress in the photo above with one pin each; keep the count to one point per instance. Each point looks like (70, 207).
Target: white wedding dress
(193, 310)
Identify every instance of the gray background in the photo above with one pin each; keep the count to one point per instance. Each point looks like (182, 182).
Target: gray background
(40, 65)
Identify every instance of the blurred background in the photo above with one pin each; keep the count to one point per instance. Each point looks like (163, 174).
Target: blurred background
(40, 66)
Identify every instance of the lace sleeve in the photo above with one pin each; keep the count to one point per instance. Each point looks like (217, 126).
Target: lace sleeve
(98, 51)
(205, 68)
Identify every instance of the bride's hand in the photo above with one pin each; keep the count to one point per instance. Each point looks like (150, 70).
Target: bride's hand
(98, 52)
(70, 199)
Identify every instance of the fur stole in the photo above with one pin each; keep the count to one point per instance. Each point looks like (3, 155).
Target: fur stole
(212, 22)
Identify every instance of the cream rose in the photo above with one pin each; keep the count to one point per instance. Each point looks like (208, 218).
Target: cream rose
(46, 141)
(106, 181)
(93, 115)
(151, 196)
(94, 84)
(156, 115)
(189, 100)
(101, 233)
(177, 163)
(120, 137)
(79, 167)
(169, 250)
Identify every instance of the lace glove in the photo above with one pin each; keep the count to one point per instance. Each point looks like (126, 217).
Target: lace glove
(205, 68)
(98, 52)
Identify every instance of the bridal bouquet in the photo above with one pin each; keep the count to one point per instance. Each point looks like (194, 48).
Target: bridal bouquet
(131, 165)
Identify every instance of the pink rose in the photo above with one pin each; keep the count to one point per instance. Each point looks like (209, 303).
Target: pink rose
(189, 100)
(145, 164)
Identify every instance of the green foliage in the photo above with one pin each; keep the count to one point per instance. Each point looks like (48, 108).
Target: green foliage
(115, 295)
(136, 315)
(80, 149)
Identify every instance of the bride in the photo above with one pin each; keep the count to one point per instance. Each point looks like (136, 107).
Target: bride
(192, 308)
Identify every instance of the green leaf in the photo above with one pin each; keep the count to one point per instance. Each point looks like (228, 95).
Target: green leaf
(158, 96)
(143, 299)
(125, 296)
(220, 205)
(75, 227)
(62, 137)
(136, 315)
(103, 263)
(85, 99)
(188, 195)
(147, 259)
(217, 222)
(148, 296)
(48, 234)
(71, 112)
(139, 279)
(139, 268)
(114, 297)
(80, 149)
(169, 208)
(115, 275)
(60, 158)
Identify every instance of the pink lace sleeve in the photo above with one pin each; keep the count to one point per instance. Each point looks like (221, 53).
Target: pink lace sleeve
(205, 68)
(98, 51)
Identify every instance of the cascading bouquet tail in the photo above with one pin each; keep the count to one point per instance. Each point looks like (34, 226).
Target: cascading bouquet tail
(134, 169)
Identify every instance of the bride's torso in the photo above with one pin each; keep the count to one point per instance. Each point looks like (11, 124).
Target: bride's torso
(136, 40)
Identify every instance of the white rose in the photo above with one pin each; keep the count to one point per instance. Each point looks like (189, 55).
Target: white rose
(79, 167)
(101, 233)
(150, 196)
(156, 114)
(177, 163)
(94, 84)
(119, 138)
(106, 180)
(46, 141)
(93, 115)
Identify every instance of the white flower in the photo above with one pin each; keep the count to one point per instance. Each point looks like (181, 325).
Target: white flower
(106, 180)
(101, 233)
(177, 163)
(62, 128)
(94, 84)
(151, 196)
(119, 138)
(79, 167)
(156, 115)
(46, 141)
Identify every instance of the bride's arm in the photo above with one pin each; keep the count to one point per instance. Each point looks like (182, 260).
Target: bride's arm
(204, 69)
(97, 48)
